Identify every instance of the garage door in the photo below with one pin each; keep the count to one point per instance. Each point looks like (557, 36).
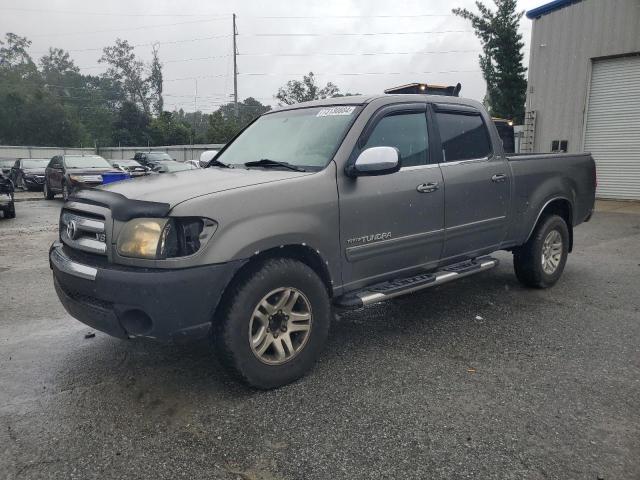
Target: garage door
(612, 132)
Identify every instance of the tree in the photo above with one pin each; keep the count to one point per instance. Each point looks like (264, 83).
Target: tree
(131, 126)
(127, 70)
(501, 61)
(56, 63)
(13, 51)
(155, 80)
(15, 58)
(224, 124)
(168, 129)
(296, 91)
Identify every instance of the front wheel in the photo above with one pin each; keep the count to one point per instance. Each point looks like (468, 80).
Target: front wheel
(540, 262)
(273, 324)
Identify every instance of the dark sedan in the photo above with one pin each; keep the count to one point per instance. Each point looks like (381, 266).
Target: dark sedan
(66, 173)
(28, 173)
(132, 167)
(152, 159)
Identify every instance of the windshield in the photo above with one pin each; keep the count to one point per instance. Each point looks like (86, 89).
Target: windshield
(35, 162)
(7, 163)
(158, 156)
(307, 137)
(88, 161)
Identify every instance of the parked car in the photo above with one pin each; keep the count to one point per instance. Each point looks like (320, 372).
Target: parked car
(66, 174)
(7, 204)
(172, 167)
(132, 167)
(28, 173)
(345, 202)
(207, 156)
(6, 164)
(151, 159)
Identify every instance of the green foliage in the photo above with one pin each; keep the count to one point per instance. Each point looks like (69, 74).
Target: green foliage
(127, 71)
(224, 124)
(501, 61)
(169, 129)
(296, 91)
(53, 103)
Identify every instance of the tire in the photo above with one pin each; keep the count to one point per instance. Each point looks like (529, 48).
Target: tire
(46, 191)
(242, 318)
(528, 260)
(10, 212)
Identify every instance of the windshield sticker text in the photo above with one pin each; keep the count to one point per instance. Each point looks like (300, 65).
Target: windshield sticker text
(332, 111)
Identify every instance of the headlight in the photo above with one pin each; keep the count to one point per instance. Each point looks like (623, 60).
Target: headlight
(160, 238)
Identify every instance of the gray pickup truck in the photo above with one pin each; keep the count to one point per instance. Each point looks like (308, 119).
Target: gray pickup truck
(336, 203)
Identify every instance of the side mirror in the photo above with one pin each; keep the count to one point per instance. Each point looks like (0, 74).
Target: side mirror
(375, 161)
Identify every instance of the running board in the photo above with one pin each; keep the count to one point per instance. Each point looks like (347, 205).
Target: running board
(401, 286)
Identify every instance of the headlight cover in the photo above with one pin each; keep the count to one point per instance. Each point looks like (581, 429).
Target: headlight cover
(162, 238)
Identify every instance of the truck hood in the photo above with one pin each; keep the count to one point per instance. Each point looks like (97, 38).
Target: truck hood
(174, 188)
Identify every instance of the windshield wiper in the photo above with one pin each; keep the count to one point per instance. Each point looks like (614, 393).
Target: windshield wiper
(217, 163)
(268, 163)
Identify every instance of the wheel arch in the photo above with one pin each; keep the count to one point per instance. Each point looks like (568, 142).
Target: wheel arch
(300, 252)
(560, 206)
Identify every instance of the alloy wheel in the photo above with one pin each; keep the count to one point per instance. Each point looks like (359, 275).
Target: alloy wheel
(551, 252)
(280, 325)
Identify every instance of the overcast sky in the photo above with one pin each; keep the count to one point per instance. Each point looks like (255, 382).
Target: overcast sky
(362, 46)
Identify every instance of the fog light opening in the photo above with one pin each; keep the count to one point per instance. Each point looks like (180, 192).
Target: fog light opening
(136, 322)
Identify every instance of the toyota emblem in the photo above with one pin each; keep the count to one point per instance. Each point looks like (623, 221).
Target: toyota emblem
(72, 229)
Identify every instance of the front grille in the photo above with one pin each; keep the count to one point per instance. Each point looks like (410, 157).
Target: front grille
(83, 231)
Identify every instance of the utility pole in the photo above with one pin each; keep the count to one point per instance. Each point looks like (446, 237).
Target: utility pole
(195, 97)
(235, 66)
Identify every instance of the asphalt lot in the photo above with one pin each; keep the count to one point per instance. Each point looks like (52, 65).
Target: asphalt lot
(476, 379)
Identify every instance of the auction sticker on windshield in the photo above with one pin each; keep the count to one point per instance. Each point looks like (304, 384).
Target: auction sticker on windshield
(332, 111)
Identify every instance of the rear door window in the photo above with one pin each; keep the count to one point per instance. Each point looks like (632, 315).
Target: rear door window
(463, 136)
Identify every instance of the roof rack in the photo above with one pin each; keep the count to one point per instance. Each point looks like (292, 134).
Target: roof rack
(427, 89)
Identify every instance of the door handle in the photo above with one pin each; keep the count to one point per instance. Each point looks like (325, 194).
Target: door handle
(499, 177)
(428, 187)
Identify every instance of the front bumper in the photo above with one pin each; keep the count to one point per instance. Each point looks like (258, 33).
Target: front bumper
(168, 305)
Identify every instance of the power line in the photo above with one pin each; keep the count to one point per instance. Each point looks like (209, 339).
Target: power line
(142, 27)
(109, 14)
(341, 34)
(354, 73)
(149, 44)
(300, 17)
(434, 52)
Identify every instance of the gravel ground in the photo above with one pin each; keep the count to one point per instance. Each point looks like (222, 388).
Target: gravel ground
(476, 379)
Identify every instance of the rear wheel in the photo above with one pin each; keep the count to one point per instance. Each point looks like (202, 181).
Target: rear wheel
(540, 262)
(46, 191)
(273, 324)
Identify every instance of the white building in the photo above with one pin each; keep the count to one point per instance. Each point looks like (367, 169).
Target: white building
(584, 87)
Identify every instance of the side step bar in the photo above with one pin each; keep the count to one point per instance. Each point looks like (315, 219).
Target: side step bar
(401, 286)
